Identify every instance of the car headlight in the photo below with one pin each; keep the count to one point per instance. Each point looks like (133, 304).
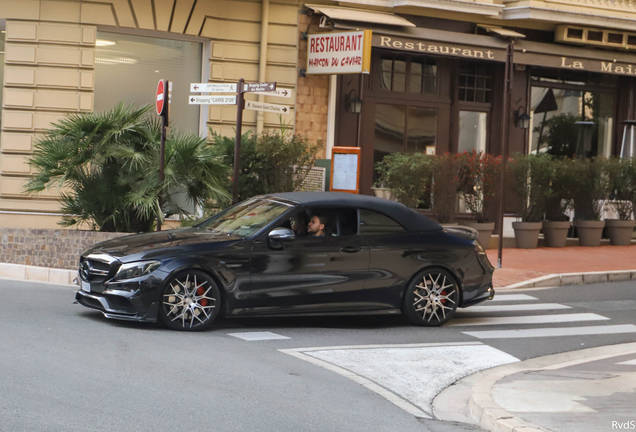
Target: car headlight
(136, 269)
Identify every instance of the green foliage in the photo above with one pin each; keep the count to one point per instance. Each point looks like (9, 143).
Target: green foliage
(480, 179)
(106, 167)
(622, 186)
(447, 172)
(270, 163)
(529, 177)
(590, 187)
(559, 192)
(408, 177)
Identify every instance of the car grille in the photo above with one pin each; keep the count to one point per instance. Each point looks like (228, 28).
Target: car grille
(97, 270)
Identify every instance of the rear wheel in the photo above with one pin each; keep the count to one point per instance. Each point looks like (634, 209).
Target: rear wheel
(190, 301)
(431, 299)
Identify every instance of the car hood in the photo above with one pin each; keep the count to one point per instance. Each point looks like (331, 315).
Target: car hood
(161, 244)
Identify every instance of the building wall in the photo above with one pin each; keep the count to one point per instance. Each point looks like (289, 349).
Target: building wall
(313, 93)
(49, 70)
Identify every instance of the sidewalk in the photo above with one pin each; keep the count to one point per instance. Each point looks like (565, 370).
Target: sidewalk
(588, 390)
(524, 264)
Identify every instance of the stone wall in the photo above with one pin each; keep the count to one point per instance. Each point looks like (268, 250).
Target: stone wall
(312, 99)
(55, 248)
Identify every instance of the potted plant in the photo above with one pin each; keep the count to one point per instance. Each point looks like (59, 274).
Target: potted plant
(406, 178)
(556, 224)
(621, 175)
(479, 184)
(528, 176)
(446, 171)
(589, 192)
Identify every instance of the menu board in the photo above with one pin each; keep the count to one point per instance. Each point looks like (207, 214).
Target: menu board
(345, 166)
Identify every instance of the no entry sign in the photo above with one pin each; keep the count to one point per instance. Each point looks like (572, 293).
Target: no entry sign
(161, 91)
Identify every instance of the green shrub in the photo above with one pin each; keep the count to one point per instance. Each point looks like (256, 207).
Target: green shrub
(106, 167)
(529, 177)
(270, 163)
(408, 177)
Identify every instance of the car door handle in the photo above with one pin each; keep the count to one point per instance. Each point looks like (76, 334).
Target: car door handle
(350, 249)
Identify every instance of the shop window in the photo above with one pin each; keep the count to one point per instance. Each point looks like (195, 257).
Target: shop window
(568, 122)
(404, 129)
(472, 131)
(475, 83)
(408, 74)
(128, 67)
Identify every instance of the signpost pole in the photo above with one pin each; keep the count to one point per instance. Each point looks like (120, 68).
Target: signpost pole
(504, 146)
(237, 142)
(162, 149)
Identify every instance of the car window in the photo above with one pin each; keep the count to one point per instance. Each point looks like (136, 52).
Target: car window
(339, 221)
(376, 223)
(246, 218)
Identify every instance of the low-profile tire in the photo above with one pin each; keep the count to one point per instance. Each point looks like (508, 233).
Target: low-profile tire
(190, 301)
(431, 298)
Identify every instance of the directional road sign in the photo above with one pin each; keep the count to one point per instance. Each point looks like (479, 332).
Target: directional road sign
(275, 108)
(213, 88)
(212, 100)
(259, 87)
(277, 93)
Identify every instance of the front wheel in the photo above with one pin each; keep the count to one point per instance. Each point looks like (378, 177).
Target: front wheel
(431, 299)
(190, 301)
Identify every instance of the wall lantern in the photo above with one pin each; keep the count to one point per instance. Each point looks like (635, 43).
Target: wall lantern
(354, 103)
(522, 119)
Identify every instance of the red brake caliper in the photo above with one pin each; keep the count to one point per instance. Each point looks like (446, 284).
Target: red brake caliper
(200, 292)
(443, 293)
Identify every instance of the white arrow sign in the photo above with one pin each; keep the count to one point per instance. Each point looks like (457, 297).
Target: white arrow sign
(213, 88)
(275, 108)
(212, 100)
(277, 93)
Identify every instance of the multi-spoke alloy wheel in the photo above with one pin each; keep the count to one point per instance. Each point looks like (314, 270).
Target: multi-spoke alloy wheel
(431, 299)
(190, 301)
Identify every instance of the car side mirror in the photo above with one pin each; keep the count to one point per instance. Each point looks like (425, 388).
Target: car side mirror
(282, 234)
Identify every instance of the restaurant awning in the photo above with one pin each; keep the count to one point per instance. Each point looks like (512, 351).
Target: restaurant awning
(361, 15)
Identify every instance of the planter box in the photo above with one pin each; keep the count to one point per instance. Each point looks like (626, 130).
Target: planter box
(556, 233)
(485, 231)
(620, 231)
(589, 232)
(526, 234)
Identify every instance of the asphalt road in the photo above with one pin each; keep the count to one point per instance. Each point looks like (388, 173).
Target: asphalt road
(66, 368)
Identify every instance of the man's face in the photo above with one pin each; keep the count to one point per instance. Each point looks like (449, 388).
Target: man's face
(315, 227)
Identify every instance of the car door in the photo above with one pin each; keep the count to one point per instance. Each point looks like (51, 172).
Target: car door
(310, 274)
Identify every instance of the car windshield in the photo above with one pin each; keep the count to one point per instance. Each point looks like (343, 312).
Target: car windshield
(246, 218)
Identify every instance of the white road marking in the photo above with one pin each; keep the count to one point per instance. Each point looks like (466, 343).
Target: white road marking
(628, 362)
(551, 332)
(409, 376)
(513, 297)
(257, 336)
(521, 307)
(531, 319)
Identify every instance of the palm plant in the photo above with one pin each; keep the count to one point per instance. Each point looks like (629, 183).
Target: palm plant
(105, 166)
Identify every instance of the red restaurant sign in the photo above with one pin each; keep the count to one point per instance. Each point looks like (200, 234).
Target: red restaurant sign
(339, 53)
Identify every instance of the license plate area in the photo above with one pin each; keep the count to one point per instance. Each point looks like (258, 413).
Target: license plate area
(86, 286)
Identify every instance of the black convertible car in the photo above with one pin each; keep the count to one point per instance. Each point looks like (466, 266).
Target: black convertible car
(361, 255)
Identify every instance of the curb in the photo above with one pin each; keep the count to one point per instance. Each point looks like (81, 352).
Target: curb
(491, 416)
(554, 280)
(38, 274)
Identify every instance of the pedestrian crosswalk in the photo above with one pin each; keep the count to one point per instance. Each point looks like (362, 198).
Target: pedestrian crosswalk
(524, 308)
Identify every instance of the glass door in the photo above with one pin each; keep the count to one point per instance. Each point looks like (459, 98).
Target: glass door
(473, 131)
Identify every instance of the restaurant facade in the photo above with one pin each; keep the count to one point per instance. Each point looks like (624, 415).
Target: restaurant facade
(435, 80)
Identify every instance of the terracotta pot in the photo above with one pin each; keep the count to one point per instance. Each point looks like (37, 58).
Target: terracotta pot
(590, 232)
(620, 231)
(526, 234)
(485, 231)
(556, 233)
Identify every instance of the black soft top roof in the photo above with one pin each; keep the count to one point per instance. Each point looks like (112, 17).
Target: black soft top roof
(408, 218)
